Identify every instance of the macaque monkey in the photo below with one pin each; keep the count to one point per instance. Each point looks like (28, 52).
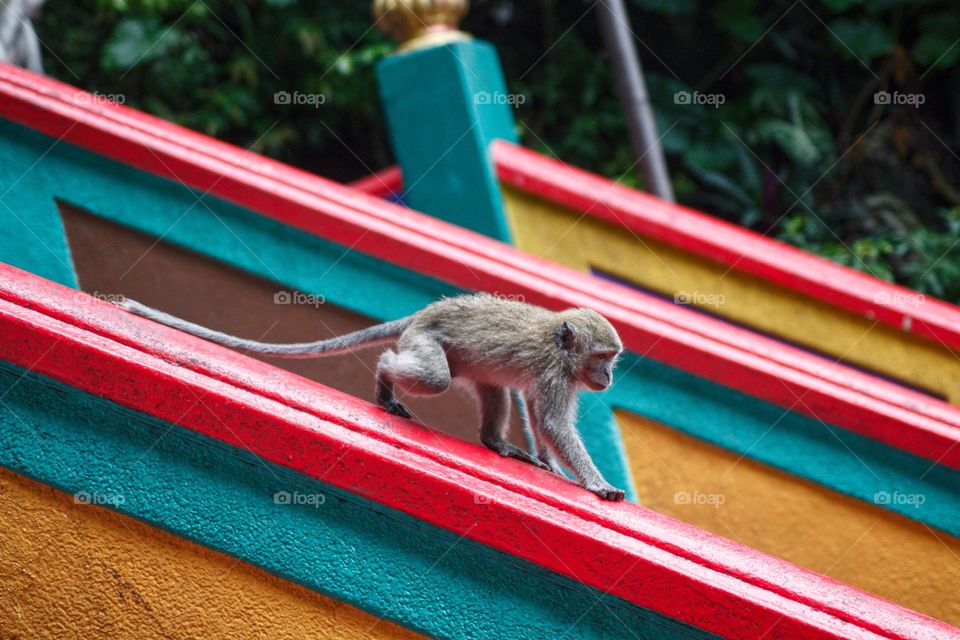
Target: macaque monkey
(488, 345)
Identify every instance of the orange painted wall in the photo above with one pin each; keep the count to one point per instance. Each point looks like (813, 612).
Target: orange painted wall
(70, 570)
(847, 539)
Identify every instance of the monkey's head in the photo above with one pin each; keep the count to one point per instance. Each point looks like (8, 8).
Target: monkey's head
(590, 345)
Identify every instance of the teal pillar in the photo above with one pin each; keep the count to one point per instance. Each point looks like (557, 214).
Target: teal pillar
(445, 101)
(444, 105)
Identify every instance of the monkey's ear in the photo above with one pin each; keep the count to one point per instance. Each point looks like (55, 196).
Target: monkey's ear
(565, 336)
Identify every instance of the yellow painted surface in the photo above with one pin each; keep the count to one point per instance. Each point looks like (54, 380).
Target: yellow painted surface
(78, 571)
(789, 517)
(583, 242)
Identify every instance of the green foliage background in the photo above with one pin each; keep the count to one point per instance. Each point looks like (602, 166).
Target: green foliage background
(799, 149)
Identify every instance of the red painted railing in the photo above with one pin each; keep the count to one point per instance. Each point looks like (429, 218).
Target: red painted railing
(732, 245)
(709, 237)
(382, 184)
(630, 552)
(650, 327)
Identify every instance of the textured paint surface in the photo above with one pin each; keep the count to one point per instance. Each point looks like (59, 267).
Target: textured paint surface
(562, 235)
(351, 549)
(69, 569)
(846, 539)
(229, 233)
(805, 447)
(33, 237)
(443, 106)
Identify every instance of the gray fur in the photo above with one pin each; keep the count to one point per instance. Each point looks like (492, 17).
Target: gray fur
(369, 337)
(491, 345)
(543, 452)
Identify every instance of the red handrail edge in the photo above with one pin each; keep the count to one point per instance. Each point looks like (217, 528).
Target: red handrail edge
(382, 184)
(710, 237)
(707, 236)
(738, 248)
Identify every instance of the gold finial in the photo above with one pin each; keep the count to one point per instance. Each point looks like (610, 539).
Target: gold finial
(416, 24)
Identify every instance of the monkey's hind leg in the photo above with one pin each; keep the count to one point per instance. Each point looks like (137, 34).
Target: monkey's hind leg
(387, 399)
(420, 368)
(494, 421)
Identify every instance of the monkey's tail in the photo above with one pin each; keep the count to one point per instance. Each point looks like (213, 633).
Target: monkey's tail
(370, 337)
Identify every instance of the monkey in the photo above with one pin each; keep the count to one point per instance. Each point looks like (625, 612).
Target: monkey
(490, 346)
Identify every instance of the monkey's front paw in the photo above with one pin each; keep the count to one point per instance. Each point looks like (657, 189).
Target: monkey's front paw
(398, 409)
(608, 493)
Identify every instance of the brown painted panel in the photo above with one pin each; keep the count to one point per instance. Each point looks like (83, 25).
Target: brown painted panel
(113, 259)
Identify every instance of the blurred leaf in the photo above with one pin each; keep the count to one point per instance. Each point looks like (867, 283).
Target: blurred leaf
(780, 78)
(839, 6)
(710, 155)
(135, 41)
(737, 18)
(938, 43)
(667, 7)
(864, 38)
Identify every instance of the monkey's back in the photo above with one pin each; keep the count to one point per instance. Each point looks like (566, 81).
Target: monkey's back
(486, 337)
